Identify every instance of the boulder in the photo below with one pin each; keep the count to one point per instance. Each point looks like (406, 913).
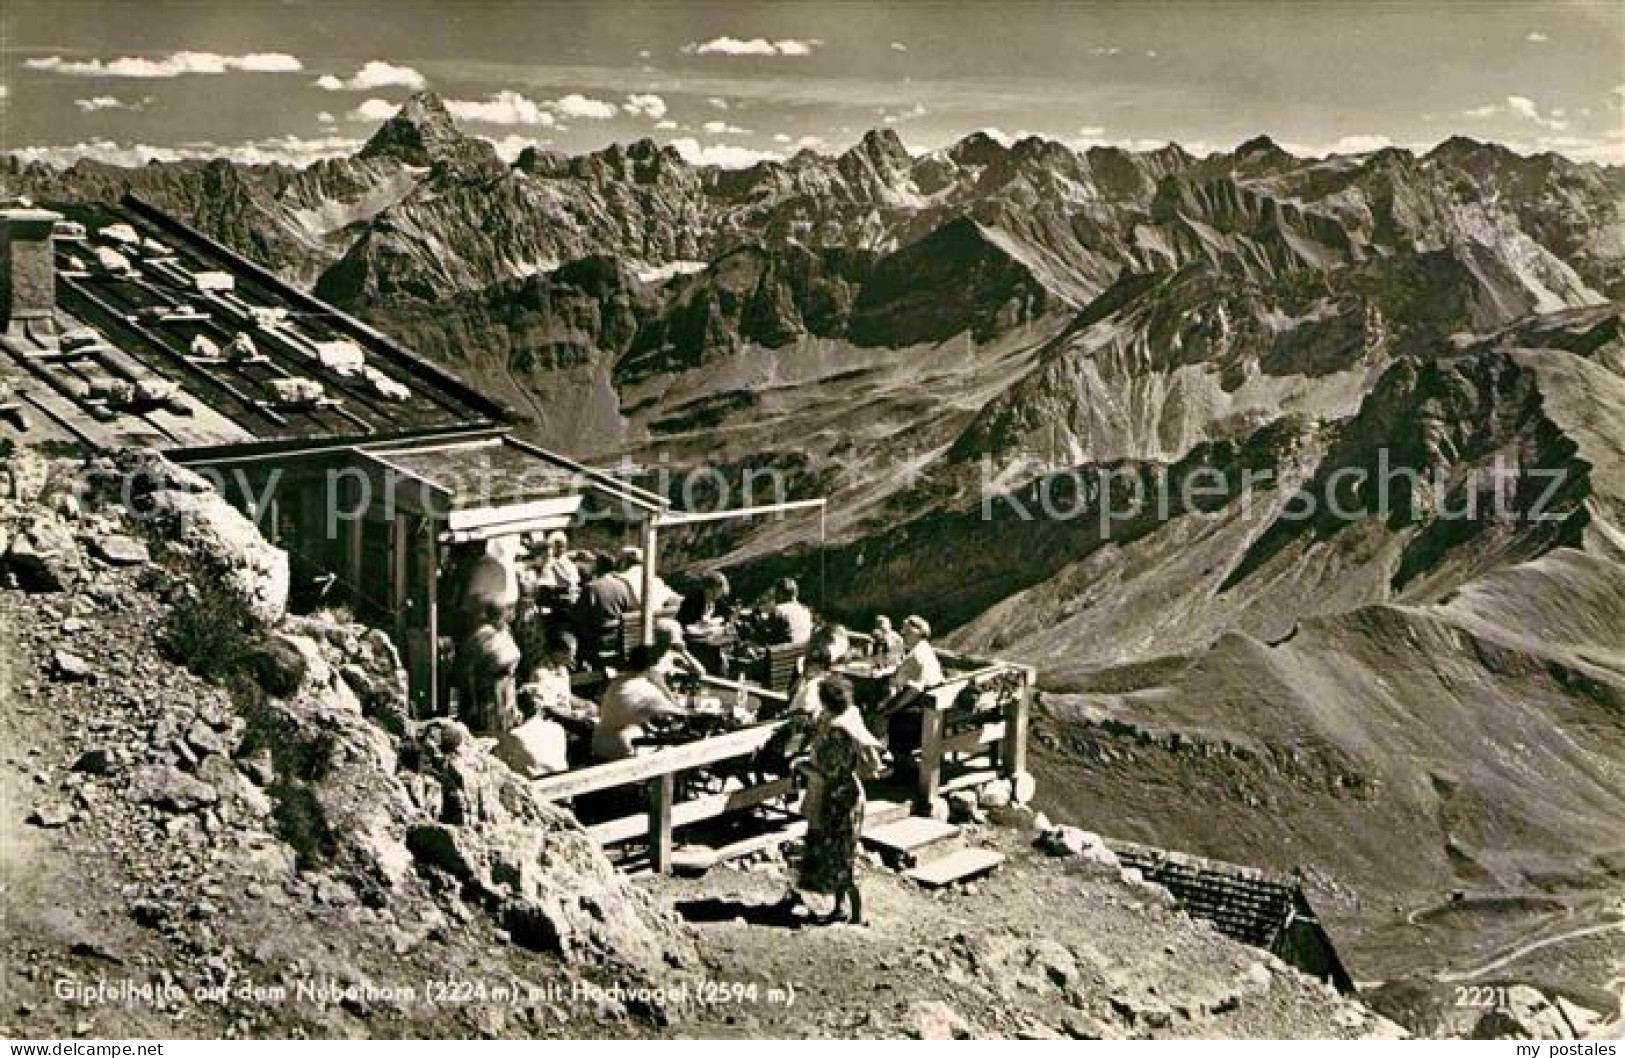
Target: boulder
(43, 556)
(24, 475)
(170, 789)
(51, 816)
(70, 667)
(116, 549)
(94, 761)
(996, 794)
(932, 1019)
(962, 807)
(1063, 841)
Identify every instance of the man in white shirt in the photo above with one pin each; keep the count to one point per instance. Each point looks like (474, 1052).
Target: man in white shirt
(633, 699)
(885, 644)
(632, 573)
(787, 595)
(558, 577)
(919, 671)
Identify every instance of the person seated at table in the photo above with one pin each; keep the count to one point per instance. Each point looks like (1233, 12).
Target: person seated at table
(884, 642)
(541, 744)
(547, 685)
(676, 659)
(703, 605)
(554, 574)
(788, 605)
(633, 699)
(919, 671)
(632, 573)
(608, 595)
(828, 646)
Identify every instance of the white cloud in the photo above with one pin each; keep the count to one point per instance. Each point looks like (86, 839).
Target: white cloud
(809, 143)
(326, 117)
(506, 107)
(667, 124)
(726, 156)
(1537, 37)
(1356, 144)
(649, 105)
(916, 111)
(1150, 55)
(1521, 107)
(644, 53)
(1092, 132)
(718, 102)
(898, 45)
(373, 110)
(1101, 51)
(176, 64)
(511, 146)
(722, 128)
(282, 150)
(95, 103)
(576, 105)
(754, 46)
(1136, 144)
(373, 76)
(1525, 108)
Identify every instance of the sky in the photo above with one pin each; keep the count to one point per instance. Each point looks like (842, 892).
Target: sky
(731, 83)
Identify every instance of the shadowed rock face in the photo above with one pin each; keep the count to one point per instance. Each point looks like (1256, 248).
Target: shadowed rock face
(423, 134)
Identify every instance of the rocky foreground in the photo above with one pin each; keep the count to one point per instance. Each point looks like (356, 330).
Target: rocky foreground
(218, 819)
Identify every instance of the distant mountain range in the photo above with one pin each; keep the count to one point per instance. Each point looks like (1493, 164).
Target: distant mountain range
(1405, 702)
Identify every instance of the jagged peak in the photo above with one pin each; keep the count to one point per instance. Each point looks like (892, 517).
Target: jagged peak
(423, 132)
(881, 146)
(1261, 145)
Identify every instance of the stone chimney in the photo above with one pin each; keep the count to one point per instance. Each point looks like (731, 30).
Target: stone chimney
(28, 273)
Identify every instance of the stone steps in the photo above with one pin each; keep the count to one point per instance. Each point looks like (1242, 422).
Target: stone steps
(913, 840)
(957, 866)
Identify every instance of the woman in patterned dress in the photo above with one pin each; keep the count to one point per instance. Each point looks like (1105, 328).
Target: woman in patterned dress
(842, 753)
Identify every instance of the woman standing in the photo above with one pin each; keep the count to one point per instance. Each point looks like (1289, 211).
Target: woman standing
(842, 754)
(486, 665)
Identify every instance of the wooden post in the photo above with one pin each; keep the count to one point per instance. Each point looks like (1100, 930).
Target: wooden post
(431, 622)
(400, 543)
(353, 558)
(930, 754)
(1013, 758)
(650, 546)
(662, 791)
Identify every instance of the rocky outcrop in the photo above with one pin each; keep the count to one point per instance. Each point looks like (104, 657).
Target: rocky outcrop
(196, 527)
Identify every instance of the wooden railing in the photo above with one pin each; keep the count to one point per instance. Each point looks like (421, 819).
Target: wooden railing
(659, 769)
(974, 729)
(974, 725)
